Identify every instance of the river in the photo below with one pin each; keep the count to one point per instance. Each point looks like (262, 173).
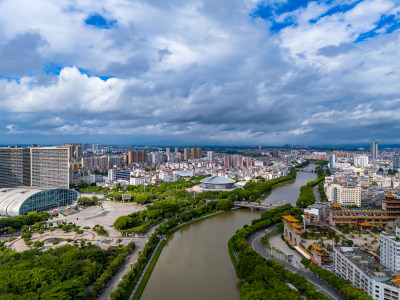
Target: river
(195, 262)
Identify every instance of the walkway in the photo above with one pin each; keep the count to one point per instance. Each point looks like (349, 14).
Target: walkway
(130, 260)
(322, 286)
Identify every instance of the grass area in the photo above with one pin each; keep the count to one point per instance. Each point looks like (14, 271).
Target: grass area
(173, 230)
(146, 276)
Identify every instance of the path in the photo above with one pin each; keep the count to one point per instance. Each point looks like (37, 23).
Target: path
(126, 266)
(320, 285)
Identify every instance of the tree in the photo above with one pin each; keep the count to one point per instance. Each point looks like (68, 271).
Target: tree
(123, 222)
(224, 204)
(65, 290)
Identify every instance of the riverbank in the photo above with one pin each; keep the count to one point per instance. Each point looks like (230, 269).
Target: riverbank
(141, 284)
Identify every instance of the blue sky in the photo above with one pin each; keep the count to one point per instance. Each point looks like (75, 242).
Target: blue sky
(199, 72)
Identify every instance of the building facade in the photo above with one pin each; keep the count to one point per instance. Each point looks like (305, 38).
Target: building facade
(35, 166)
(374, 150)
(362, 271)
(344, 195)
(396, 161)
(22, 200)
(361, 161)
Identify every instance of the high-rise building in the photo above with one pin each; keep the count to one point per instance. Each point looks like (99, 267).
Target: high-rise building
(36, 166)
(198, 153)
(237, 161)
(112, 175)
(332, 161)
(228, 161)
(167, 151)
(176, 150)
(361, 161)
(210, 155)
(78, 151)
(15, 167)
(50, 166)
(186, 154)
(374, 150)
(396, 161)
(259, 147)
(193, 153)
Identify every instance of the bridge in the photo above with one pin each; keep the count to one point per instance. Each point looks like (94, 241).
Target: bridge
(305, 170)
(253, 205)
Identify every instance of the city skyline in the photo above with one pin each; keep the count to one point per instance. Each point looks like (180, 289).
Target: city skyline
(200, 72)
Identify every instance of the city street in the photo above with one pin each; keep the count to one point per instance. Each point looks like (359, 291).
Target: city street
(322, 286)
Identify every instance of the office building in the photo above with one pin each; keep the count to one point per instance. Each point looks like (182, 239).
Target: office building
(396, 161)
(332, 161)
(123, 174)
(176, 150)
(167, 151)
(374, 150)
(362, 271)
(36, 166)
(343, 195)
(361, 161)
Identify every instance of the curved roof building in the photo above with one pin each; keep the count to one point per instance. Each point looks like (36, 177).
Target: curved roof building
(217, 183)
(22, 200)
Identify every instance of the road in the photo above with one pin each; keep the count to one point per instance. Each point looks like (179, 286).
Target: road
(317, 195)
(322, 286)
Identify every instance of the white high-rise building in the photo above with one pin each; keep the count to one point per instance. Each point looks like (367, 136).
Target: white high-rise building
(374, 150)
(112, 175)
(210, 155)
(361, 161)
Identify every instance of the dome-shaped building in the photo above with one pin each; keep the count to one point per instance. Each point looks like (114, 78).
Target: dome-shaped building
(217, 183)
(22, 200)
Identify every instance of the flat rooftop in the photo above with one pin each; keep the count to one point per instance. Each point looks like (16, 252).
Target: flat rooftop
(367, 263)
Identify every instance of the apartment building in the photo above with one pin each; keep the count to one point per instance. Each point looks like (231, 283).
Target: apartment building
(362, 271)
(34, 166)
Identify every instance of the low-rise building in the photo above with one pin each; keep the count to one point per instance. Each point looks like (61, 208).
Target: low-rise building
(366, 217)
(140, 180)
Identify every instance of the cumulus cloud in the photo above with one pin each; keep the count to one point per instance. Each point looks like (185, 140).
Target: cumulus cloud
(200, 72)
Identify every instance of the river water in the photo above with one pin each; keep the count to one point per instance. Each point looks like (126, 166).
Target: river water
(195, 262)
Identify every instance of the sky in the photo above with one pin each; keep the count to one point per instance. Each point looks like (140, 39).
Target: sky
(206, 72)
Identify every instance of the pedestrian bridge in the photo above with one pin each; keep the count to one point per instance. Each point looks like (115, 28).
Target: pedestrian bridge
(305, 170)
(253, 205)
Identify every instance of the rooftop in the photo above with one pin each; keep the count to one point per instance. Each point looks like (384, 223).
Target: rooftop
(367, 263)
(217, 180)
